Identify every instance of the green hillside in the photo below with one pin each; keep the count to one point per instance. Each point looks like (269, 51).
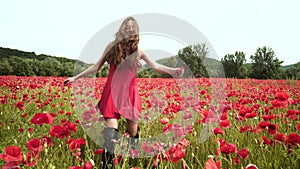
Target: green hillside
(22, 63)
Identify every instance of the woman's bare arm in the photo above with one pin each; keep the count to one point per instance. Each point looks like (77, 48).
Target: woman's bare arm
(92, 69)
(158, 67)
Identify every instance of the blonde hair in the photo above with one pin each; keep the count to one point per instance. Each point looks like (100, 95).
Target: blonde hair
(123, 42)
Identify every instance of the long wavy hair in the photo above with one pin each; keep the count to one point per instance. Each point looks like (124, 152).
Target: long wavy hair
(124, 43)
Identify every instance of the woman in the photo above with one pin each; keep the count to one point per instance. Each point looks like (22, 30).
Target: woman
(120, 97)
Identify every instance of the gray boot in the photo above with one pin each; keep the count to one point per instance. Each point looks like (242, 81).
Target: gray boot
(110, 137)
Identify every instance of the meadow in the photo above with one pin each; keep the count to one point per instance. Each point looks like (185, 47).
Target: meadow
(248, 123)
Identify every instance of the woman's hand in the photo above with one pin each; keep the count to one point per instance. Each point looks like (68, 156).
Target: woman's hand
(69, 80)
(178, 71)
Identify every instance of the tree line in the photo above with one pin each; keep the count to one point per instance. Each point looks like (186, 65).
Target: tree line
(195, 58)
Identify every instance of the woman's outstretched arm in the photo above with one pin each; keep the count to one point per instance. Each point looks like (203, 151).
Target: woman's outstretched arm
(92, 69)
(158, 67)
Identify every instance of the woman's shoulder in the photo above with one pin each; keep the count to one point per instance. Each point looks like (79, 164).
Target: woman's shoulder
(141, 53)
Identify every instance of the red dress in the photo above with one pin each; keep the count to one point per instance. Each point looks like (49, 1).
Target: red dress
(120, 96)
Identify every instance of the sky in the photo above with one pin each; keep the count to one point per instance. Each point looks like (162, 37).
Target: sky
(63, 28)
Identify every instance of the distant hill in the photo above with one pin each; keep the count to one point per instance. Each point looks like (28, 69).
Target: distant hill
(7, 52)
(248, 65)
(22, 63)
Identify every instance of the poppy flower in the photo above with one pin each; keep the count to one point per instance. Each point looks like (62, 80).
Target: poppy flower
(75, 144)
(244, 129)
(243, 153)
(228, 148)
(175, 153)
(12, 153)
(87, 165)
(11, 165)
(59, 131)
(272, 129)
(266, 140)
(20, 105)
(225, 123)
(298, 126)
(34, 145)
(164, 120)
(41, 118)
(263, 124)
(31, 159)
(211, 164)
(251, 166)
(218, 131)
(281, 137)
(293, 139)
(99, 151)
(282, 96)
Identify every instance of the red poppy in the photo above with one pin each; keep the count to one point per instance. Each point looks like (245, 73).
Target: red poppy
(41, 118)
(266, 140)
(164, 120)
(146, 148)
(133, 153)
(59, 131)
(47, 140)
(175, 153)
(11, 165)
(20, 105)
(251, 166)
(75, 144)
(87, 165)
(75, 167)
(220, 141)
(34, 145)
(243, 153)
(218, 131)
(31, 159)
(293, 139)
(282, 96)
(211, 164)
(281, 137)
(99, 151)
(250, 115)
(298, 126)
(236, 160)
(12, 153)
(244, 129)
(225, 123)
(30, 129)
(263, 124)
(278, 104)
(228, 148)
(272, 129)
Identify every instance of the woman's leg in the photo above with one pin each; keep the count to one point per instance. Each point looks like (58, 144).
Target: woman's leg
(110, 137)
(112, 122)
(132, 127)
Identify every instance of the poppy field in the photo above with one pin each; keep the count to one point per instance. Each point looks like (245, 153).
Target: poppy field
(256, 124)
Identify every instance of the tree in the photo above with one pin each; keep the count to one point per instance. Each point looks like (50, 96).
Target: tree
(5, 68)
(103, 72)
(193, 56)
(264, 64)
(234, 65)
(292, 72)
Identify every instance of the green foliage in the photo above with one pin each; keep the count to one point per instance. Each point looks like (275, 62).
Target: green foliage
(20, 63)
(193, 56)
(234, 65)
(292, 72)
(265, 65)
(103, 72)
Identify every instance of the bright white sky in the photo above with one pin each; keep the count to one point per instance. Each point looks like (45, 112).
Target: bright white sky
(63, 27)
